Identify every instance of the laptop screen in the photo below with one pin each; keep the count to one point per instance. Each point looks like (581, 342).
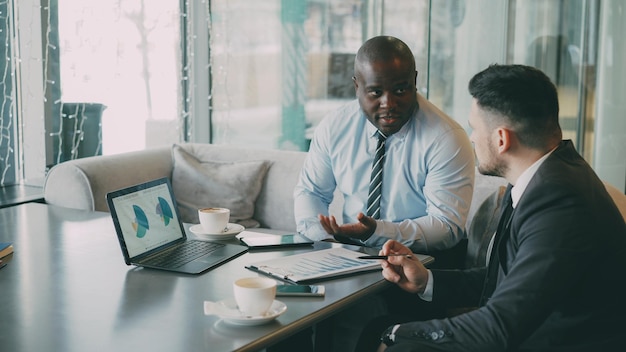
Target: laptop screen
(146, 216)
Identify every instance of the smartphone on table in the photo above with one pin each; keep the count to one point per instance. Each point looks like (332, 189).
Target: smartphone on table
(300, 290)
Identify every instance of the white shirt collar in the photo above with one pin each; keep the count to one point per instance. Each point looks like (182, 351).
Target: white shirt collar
(525, 177)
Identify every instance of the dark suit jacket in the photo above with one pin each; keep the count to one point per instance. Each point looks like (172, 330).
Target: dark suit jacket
(561, 282)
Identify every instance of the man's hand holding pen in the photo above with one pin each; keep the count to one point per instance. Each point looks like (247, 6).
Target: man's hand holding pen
(402, 268)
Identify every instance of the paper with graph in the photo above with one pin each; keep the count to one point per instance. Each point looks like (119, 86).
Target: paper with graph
(316, 265)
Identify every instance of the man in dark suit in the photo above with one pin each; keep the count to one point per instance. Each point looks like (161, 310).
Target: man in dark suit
(555, 277)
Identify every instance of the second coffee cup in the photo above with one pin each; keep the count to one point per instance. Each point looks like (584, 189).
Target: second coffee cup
(214, 220)
(254, 295)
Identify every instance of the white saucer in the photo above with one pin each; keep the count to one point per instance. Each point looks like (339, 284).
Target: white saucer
(231, 231)
(227, 310)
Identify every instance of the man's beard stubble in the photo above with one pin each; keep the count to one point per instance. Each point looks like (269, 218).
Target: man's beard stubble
(496, 167)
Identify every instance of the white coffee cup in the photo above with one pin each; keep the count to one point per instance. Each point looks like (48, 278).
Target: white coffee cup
(254, 295)
(214, 220)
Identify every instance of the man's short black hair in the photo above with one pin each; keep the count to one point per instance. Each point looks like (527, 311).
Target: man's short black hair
(523, 98)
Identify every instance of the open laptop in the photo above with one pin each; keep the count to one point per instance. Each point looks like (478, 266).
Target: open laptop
(152, 235)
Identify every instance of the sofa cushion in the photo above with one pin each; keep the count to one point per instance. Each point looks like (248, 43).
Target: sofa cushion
(199, 182)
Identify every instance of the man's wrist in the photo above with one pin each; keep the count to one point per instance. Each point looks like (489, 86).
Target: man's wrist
(366, 236)
(427, 293)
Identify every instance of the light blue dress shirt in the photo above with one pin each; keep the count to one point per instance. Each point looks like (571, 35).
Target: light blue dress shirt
(428, 177)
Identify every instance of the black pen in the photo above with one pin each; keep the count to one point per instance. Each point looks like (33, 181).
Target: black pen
(385, 256)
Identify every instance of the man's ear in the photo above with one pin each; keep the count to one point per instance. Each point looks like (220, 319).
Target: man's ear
(356, 84)
(504, 139)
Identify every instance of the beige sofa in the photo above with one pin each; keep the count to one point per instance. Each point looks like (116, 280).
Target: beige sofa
(83, 183)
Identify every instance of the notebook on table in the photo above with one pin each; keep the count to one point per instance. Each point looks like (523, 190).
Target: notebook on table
(259, 240)
(151, 233)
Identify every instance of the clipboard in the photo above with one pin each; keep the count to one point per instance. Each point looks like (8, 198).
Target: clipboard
(315, 265)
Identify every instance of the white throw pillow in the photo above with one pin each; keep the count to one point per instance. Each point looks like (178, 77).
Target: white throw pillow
(207, 183)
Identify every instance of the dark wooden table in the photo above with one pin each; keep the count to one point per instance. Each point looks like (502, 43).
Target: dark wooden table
(66, 288)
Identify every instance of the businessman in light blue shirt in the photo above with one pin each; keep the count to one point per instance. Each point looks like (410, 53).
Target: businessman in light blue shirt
(427, 182)
(428, 171)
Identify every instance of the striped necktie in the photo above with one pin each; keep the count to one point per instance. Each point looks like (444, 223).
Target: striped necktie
(376, 181)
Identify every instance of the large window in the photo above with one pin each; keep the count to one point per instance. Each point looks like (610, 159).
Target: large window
(279, 66)
(264, 73)
(85, 78)
(123, 58)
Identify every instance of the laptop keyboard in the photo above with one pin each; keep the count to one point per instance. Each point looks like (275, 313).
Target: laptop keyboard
(183, 254)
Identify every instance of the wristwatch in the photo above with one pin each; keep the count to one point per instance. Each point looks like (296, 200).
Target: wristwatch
(389, 336)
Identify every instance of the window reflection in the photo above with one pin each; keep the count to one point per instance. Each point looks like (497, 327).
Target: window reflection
(278, 66)
(451, 39)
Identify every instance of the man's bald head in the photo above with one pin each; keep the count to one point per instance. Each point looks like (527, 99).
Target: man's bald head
(383, 49)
